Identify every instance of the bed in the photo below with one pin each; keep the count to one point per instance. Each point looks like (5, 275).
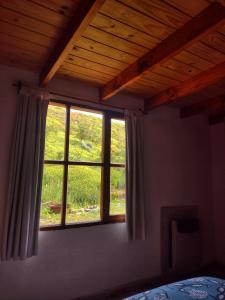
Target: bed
(194, 288)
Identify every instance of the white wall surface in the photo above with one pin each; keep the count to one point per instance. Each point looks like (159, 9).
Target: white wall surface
(218, 183)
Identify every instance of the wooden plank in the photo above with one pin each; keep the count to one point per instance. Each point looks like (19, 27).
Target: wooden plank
(19, 59)
(26, 35)
(213, 105)
(77, 61)
(29, 23)
(131, 17)
(98, 58)
(84, 14)
(181, 67)
(18, 43)
(207, 21)
(190, 7)
(128, 33)
(11, 61)
(85, 71)
(143, 88)
(31, 9)
(221, 29)
(193, 60)
(215, 40)
(160, 11)
(63, 7)
(210, 54)
(161, 79)
(36, 57)
(78, 76)
(135, 92)
(170, 73)
(99, 48)
(158, 86)
(114, 41)
(190, 86)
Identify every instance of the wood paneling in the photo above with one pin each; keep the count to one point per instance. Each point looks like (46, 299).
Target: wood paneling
(208, 20)
(121, 32)
(190, 7)
(86, 71)
(100, 48)
(190, 86)
(114, 41)
(77, 61)
(37, 12)
(210, 54)
(112, 26)
(125, 14)
(82, 73)
(98, 58)
(160, 11)
(29, 23)
(17, 43)
(63, 7)
(26, 35)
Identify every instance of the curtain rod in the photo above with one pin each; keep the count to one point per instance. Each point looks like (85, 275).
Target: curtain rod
(19, 85)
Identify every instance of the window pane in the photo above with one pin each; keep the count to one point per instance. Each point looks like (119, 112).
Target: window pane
(117, 191)
(55, 133)
(83, 195)
(85, 136)
(51, 200)
(117, 141)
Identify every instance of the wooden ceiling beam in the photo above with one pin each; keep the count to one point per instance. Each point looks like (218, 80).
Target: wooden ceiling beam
(208, 20)
(210, 106)
(84, 14)
(188, 87)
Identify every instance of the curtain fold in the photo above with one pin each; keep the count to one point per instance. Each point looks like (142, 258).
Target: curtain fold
(134, 176)
(21, 224)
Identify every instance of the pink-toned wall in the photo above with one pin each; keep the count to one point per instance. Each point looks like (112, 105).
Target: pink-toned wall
(218, 183)
(83, 261)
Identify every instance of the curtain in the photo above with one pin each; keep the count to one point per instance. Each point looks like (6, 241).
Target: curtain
(21, 224)
(134, 175)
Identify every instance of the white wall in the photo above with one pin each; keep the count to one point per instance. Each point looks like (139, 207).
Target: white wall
(78, 262)
(178, 172)
(218, 181)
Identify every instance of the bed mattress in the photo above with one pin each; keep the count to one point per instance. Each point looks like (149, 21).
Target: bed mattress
(194, 288)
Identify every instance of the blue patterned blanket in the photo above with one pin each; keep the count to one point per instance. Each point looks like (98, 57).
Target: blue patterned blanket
(194, 288)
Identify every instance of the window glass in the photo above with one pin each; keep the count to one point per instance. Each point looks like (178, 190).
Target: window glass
(55, 133)
(84, 193)
(85, 136)
(117, 191)
(117, 141)
(51, 198)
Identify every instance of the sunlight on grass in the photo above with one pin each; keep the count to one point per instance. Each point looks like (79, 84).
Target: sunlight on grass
(77, 215)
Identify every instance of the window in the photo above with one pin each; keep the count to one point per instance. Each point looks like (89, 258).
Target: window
(84, 168)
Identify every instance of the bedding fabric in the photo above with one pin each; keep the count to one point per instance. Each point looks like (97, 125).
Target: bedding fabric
(194, 288)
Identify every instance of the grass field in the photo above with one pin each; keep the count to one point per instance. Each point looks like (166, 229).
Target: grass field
(80, 215)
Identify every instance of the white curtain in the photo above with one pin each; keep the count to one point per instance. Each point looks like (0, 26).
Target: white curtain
(134, 175)
(21, 224)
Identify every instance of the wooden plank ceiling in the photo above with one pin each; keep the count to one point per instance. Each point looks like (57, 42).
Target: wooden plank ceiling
(158, 49)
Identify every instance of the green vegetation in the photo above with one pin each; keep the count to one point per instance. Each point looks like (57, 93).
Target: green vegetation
(84, 182)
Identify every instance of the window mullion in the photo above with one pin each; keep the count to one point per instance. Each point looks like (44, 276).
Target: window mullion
(66, 157)
(105, 203)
